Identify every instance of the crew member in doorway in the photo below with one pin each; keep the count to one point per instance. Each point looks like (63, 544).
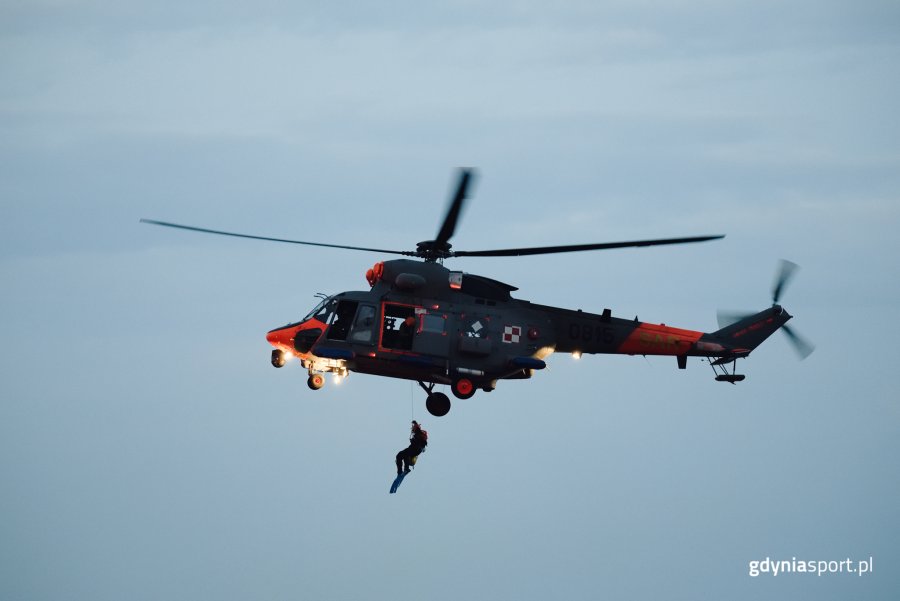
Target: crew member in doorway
(405, 333)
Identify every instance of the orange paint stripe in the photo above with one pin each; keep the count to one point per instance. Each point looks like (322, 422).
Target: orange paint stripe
(652, 339)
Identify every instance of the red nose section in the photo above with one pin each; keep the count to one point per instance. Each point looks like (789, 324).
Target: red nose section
(283, 338)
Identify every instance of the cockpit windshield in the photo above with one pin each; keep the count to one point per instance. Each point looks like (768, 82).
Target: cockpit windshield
(323, 310)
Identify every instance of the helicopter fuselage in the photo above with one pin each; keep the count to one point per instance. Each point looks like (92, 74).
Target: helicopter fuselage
(423, 322)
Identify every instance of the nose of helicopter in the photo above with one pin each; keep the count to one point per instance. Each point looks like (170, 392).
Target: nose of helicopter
(283, 337)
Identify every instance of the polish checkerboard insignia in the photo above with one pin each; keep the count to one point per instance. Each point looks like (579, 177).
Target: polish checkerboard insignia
(511, 334)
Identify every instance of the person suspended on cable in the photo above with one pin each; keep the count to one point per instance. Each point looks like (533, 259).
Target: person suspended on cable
(418, 440)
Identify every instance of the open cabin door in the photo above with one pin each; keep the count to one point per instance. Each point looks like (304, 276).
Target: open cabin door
(414, 329)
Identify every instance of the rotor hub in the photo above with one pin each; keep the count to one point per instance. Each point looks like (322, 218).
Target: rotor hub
(433, 250)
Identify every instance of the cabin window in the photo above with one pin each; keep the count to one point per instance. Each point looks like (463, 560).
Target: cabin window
(433, 323)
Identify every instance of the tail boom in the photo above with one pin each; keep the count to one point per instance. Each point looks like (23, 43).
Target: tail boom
(581, 332)
(740, 338)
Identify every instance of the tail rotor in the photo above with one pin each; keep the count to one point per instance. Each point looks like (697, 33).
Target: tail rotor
(786, 271)
(802, 346)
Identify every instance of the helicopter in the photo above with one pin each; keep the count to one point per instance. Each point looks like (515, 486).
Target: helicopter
(421, 321)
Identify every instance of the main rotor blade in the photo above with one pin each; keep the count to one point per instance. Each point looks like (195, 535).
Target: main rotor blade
(787, 271)
(221, 233)
(803, 347)
(453, 211)
(545, 250)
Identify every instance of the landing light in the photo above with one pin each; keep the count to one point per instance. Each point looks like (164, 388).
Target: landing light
(338, 378)
(576, 355)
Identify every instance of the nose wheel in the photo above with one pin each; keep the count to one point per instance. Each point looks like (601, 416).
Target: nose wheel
(316, 381)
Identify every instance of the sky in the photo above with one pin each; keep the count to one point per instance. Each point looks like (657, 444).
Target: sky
(148, 450)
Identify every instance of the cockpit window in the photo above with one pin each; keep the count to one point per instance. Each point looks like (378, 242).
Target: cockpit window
(322, 311)
(346, 309)
(363, 324)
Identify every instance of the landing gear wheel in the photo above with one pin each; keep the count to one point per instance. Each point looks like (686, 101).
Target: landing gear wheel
(463, 388)
(278, 358)
(438, 404)
(316, 381)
